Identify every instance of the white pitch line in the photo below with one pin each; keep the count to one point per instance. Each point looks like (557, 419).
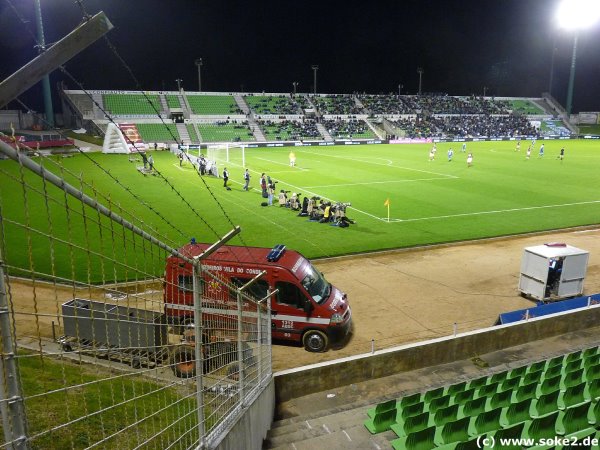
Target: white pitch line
(347, 435)
(277, 162)
(326, 429)
(527, 208)
(386, 165)
(378, 182)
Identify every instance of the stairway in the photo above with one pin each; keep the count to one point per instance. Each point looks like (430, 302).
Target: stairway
(378, 131)
(256, 130)
(98, 114)
(359, 103)
(242, 103)
(164, 106)
(183, 133)
(324, 132)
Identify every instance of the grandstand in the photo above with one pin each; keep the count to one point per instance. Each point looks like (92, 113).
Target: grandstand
(158, 132)
(290, 130)
(131, 104)
(225, 132)
(336, 104)
(269, 104)
(352, 129)
(213, 104)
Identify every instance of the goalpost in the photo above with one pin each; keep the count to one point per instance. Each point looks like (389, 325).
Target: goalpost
(227, 153)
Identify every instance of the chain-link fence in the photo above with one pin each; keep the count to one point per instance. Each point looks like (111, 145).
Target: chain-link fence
(90, 359)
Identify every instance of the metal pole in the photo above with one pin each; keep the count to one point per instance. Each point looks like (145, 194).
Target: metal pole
(12, 399)
(240, 353)
(420, 72)
(198, 341)
(552, 65)
(178, 81)
(484, 90)
(46, 79)
(198, 63)
(295, 84)
(315, 68)
(400, 86)
(572, 77)
(259, 341)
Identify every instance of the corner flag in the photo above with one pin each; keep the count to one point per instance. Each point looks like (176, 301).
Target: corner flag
(387, 203)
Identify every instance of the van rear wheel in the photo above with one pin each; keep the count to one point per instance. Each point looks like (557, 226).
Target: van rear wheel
(315, 341)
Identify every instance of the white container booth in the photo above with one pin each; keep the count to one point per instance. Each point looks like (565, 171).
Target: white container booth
(553, 272)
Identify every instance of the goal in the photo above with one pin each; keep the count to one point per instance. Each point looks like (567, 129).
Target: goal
(234, 154)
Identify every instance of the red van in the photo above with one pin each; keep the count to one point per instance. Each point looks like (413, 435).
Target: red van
(306, 308)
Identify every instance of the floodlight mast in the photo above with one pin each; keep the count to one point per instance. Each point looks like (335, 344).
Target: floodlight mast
(420, 72)
(198, 63)
(576, 15)
(49, 110)
(315, 68)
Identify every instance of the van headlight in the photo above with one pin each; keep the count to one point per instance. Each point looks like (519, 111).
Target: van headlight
(336, 318)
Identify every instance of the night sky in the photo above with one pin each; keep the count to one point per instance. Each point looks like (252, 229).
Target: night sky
(462, 46)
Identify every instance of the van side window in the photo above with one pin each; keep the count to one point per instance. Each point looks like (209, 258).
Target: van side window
(258, 290)
(289, 294)
(185, 283)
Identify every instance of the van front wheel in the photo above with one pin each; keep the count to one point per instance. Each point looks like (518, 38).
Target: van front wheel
(315, 341)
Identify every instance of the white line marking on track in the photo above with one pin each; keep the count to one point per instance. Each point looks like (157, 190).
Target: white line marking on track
(326, 429)
(308, 424)
(294, 446)
(588, 231)
(344, 431)
(376, 446)
(277, 162)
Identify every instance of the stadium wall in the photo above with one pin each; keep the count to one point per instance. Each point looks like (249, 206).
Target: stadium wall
(301, 381)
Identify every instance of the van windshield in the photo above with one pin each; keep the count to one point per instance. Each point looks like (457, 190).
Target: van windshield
(318, 288)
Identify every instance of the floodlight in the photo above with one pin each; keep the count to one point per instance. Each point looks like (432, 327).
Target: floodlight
(578, 14)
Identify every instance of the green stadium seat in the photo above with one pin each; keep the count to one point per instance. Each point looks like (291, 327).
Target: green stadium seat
(411, 424)
(410, 400)
(592, 373)
(556, 361)
(593, 389)
(573, 395)
(500, 399)
(515, 413)
(517, 373)
(486, 422)
(453, 432)
(537, 367)
(574, 422)
(477, 383)
(571, 379)
(464, 445)
(487, 390)
(498, 377)
(549, 385)
(420, 440)
(531, 377)
(444, 415)
(575, 356)
(543, 427)
(381, 407)
(591, 360)
(573, 366)
(594, 414)
(409, 411)
(512, 432)
(510, 383)
(437, 403)
(527, 391)
(433, 393)
(552, 372)
(473, 407)
(381, 421)
(464, 396)
(456, 388)
(545, 404)
(589, 352)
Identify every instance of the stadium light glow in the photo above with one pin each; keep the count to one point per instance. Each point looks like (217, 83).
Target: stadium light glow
(576, 15)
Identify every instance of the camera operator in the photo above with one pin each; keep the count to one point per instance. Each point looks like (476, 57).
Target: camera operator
(270, 191)
(282, 198)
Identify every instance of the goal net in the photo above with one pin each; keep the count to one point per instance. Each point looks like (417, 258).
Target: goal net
(232, 154)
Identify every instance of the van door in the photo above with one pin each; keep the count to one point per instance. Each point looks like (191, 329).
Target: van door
(288, 314)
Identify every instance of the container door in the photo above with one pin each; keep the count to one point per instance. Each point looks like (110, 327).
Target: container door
(534, 274)
(573, 275)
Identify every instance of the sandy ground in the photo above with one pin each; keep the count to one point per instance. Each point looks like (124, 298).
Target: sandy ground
(396, 297)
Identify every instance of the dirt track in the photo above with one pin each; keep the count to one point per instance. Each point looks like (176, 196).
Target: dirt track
(396, 297)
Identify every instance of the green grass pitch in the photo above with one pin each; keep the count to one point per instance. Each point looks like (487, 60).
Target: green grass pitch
(430, 201)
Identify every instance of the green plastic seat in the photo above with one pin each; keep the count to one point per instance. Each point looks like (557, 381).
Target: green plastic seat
(381, 407)
(573, 366)
(591, 360)
(381, 422)
(411, 424)
(592, 373)
(589, 352)
(486, 422)
(444, 415)
(517, 372)
(594, 414)
(532, 377)
(487, 391)
(409, 411)
(498, 377)
(545, 404)
(464, 396)
(453, 432)
(572, 379)
(437, 403)
(512, 432)
(473, 407)
(510, 384)
(465, 445)
(515, 413)
(552, 372)
(410, 400)
(433, 393)
(573, 395)
(456, 388)
(549, 385)
(527, 391)
(574, 356)
(593, 389)
(420, 440)
(556, 361)
(541, 428)
(500, 399)
(537, 367)
(574, 422)
(477, 383)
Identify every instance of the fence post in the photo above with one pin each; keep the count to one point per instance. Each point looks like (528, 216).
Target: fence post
(12, 403)
(455, 329)
(259, 325)
(240, 353)
(198, 341)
